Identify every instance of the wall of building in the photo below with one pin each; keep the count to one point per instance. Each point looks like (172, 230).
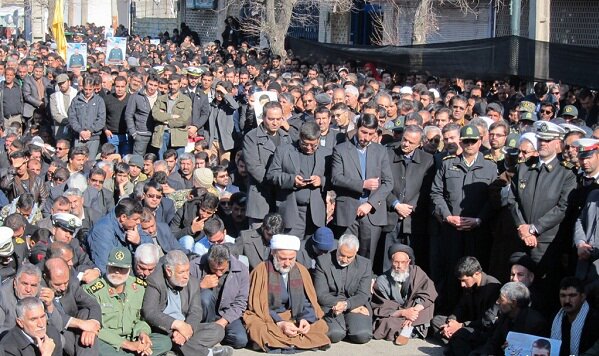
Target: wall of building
(153, 26)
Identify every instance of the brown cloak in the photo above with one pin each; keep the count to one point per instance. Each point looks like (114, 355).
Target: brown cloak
(262, 329)
(421, 289)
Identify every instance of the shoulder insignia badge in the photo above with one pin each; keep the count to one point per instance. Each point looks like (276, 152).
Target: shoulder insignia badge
(96, 286)
(19, 240)
(141, 282)
(449, 156)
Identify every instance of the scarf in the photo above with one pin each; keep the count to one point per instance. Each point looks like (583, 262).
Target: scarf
(575, 328)
(62, 110)
(295, 288)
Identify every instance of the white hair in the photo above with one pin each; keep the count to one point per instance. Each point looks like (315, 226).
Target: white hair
(78, 181)
(147, 254)
(350, 89)
(350, 241)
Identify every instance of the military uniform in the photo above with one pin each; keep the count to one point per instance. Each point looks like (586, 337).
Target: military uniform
(121, 312)
(76, 61)
(460, 190)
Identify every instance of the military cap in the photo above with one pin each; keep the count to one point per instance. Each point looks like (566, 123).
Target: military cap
(469, 132)
(547, 130)
(398, 124)
(119, 257)
(586, 147)
(572, 128)
(6, 245)
(528, 116)
(66, 221)
(527, 106)
(570, 110)
(194, 71)
(511, 144)
(158, 69)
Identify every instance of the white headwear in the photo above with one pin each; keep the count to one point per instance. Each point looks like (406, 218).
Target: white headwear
(285, 242)
(530, 137)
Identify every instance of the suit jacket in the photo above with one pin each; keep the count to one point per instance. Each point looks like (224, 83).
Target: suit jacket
(15, 343)
(327, 282)
(250, 244)
(284, 167)
(539, 196)
(30, 95)
(477, 308)
(156, 297)
(332, 139)
(586, 230)
(258, 149)
(412, 181)
(221, 121)
(165, 212)
(347, 181)
(77, 303)
(200, 109)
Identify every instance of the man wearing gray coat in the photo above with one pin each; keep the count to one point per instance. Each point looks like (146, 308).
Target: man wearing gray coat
(298, 171)
(87, 117)
(362, 179)
(586, 240)
(220, 120)
(225, 287)
(35, 100)
(172, 305)
(342, 281)
(255, 243)
(258, 147)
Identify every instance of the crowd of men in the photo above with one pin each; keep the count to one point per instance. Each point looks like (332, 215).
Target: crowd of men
(147, 208)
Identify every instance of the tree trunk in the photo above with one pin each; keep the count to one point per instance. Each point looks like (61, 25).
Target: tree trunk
(422, 24)
(276, 24)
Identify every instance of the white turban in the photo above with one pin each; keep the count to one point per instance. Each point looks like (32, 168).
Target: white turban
(530, 137)
(285, 242)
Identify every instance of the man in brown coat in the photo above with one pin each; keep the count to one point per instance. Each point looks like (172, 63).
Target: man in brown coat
(283, 312)
(403, 298)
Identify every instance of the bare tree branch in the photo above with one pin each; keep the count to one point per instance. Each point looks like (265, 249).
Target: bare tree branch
(272, 18)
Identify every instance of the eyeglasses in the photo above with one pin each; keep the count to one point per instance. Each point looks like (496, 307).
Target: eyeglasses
(567, 147)
(548, 112)
(308, 145)
(154, 196)
(469, 142)
(525, 152)
(225, 203)
(496, 135)
(61, 148)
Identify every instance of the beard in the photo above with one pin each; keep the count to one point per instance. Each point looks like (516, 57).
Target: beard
(117, 279)
(400, 277)
(343, 265)
(279, 268)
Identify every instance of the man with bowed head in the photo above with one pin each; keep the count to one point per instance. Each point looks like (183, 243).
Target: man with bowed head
(283, 312)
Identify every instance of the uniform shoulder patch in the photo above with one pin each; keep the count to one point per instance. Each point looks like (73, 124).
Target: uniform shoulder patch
(96, 286)
(141, 282)
(19, 240)
(448, 157)
(566, 164)
(489, 157)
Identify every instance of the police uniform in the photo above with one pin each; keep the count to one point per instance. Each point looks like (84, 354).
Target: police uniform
(539, 197)
(12, 256)
(460, 190)
(121, 312)
(71, 223)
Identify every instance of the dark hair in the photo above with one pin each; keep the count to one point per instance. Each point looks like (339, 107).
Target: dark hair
(41, 234)
(150, 157)
(542, 344)
(309, 131)
(572, 282)
(57, 249)
(96, 172)
(238, 198)
(368, 121)
(218, 254)
(152, 184)
(128, 207)
(273, 222)
(212, 225)
(170, 153)
(467, 267)
(272, 105)
(15, 221)
(25, 201)
(210, 201)
(79, 150)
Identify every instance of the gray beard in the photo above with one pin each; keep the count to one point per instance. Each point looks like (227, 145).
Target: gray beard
(278, 267)
(400, 277)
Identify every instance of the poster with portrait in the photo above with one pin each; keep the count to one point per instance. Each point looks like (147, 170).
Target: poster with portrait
(76, 56)
(519, 344)
(116, 48)
(260, 99)
(155, 41)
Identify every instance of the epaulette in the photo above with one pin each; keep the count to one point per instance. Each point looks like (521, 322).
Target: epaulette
(489, 157)
(568, 165)
(98, 285)
(449, 156)
(19, 240)
(141, 282)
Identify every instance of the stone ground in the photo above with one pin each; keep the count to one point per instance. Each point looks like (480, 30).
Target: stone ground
(374, 347)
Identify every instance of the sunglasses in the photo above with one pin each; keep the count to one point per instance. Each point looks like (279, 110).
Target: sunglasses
(546, 111)
(469, 142)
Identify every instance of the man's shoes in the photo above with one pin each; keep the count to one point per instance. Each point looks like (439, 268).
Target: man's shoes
(401, 340)
(222, 351)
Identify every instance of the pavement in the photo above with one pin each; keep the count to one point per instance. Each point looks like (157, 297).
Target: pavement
(374, 347)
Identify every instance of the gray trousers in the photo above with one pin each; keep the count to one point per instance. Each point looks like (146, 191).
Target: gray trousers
(72, 346)
(203, 338)
(92, 146)
(357, 328)
(140, 144)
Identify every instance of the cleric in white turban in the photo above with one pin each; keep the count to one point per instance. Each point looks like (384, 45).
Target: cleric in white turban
(283, 311)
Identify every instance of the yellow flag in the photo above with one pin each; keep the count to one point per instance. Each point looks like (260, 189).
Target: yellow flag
(58, 30)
